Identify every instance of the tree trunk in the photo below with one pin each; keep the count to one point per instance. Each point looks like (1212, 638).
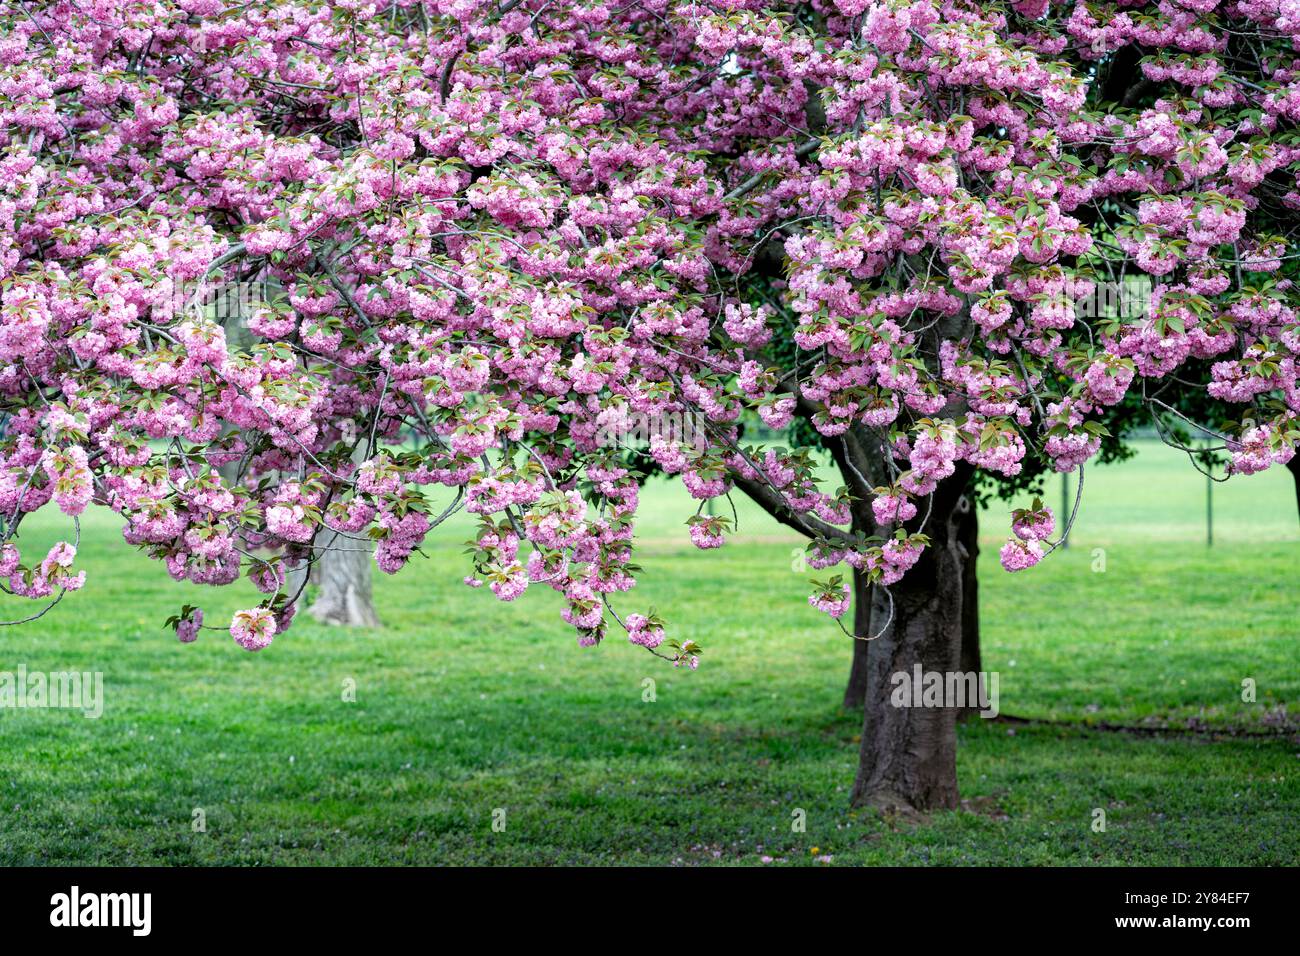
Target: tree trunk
(968, 541)
(908, 759)
(855, 695)
(343, 576)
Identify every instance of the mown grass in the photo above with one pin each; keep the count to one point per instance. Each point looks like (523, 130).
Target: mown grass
(465, 706)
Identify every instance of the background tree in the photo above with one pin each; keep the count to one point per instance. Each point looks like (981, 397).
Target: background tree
(340, 570)
(342, 575)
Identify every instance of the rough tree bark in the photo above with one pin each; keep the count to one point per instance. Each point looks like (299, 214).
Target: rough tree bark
(855, 694)
(342, 572)
(968, 541)
(908, 759)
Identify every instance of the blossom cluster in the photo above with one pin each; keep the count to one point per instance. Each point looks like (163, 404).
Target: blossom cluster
(499, 227)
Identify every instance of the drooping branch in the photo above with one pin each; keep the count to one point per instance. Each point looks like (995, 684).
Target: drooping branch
(776, 506)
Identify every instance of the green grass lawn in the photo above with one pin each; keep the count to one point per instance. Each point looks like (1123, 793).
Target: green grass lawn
(465, 706)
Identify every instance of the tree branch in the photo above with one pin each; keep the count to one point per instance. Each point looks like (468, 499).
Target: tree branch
(775, 505)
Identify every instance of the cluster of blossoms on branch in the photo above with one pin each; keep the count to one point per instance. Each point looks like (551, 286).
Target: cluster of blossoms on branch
(495, 225)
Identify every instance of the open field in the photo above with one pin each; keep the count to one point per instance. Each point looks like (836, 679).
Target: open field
(465, 705)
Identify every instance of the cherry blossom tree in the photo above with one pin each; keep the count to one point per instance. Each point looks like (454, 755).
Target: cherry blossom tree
(502, 227)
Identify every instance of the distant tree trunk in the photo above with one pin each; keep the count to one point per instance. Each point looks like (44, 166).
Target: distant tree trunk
(908, 758)
(342, 573)
(343, 576)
